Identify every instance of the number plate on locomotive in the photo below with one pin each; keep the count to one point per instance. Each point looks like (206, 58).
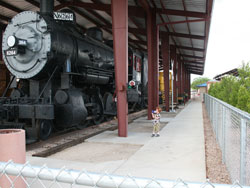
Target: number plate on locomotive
(65, 16)
(11, 52)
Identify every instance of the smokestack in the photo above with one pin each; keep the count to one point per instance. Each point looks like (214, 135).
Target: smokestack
(46, 7)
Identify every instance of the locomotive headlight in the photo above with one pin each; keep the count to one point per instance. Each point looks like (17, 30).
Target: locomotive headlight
(11, 41)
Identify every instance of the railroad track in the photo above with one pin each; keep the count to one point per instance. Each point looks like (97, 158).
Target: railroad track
(61, 142)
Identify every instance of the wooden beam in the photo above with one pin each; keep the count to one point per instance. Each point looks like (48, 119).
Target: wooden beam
(190, 48)
(191, 56)
(35, 3)
(9, 6)
(181, 13)
(194, 72)
(132, 10)
(5, 18)
(195, 68)
(186, 35)
(194, 64)
(89, 6)
(141, 31)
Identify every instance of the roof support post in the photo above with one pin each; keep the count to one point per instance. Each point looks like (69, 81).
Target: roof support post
(1, 39)
(185, 83)
(189, 87)
(178, 76)
(182, 79)
(173, 60)
(153, 62)
(156, 63)
(120, 38)
(165, 63)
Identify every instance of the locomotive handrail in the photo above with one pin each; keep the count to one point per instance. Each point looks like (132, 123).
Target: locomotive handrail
(7, 88)
(47, 83)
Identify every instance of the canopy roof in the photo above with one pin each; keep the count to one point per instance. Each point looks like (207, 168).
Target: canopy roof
(186, 21)
(202, 85)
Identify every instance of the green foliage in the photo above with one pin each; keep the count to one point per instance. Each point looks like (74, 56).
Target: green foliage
(242, 98)
(198, 81)
(234, 90)
(233, 96)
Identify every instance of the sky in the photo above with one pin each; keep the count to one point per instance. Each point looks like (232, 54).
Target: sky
(229, 37)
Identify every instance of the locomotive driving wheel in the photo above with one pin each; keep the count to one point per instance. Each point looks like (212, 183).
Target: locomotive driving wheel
(44, 129)
(97, 110)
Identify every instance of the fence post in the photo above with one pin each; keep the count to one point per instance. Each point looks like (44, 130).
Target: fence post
(243, 138)
(223, 134)
(210, 107)
(212, 116)
(216, 121)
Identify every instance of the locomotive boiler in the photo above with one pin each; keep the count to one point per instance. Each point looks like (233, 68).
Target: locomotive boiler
(61, 76)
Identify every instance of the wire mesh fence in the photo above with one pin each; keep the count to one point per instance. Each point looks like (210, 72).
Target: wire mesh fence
(25, 175)
(232, 129)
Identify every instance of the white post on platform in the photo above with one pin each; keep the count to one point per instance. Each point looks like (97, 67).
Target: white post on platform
(172, 74)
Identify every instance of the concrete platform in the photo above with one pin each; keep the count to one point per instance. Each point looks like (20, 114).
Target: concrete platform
(178, 153)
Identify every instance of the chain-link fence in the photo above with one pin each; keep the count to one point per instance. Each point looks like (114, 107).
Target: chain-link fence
(25, 175)
(232, 129)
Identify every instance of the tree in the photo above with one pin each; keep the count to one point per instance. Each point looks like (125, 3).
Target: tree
(234, 90)
(198, 81)
(233, 97)
(242, 98)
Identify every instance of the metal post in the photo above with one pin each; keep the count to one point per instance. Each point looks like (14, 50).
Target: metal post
(243, 145)
(173, 59)
(156, 64)
(212, 113)
(209, 107)
(172, 91)
(120, 35)
(165, 63)
(152, 61)
(224, 134)
(216, 121)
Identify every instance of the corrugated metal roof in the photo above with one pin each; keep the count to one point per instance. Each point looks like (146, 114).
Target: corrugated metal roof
(181, 34)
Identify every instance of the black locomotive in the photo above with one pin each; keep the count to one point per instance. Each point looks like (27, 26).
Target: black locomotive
(62, 77)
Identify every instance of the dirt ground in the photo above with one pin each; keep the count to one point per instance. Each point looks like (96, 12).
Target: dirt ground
(216, 170)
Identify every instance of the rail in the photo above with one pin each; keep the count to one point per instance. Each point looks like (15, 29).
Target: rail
(33, 176)
(232, 128)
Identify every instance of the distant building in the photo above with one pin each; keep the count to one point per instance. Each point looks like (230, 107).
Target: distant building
(203, 88)
(233, 72)
(209, 83)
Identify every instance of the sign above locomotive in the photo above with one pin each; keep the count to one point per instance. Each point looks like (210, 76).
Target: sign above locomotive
(64, 16)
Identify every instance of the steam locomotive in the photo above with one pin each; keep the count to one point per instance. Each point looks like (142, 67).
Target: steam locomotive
(61, 76)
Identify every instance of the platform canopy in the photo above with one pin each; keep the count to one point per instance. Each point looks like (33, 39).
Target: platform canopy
(187, 22)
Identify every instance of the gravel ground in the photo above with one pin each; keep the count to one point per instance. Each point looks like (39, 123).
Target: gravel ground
(216, 170)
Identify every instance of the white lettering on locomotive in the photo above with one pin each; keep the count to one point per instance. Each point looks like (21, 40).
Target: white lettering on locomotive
(63, 16)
